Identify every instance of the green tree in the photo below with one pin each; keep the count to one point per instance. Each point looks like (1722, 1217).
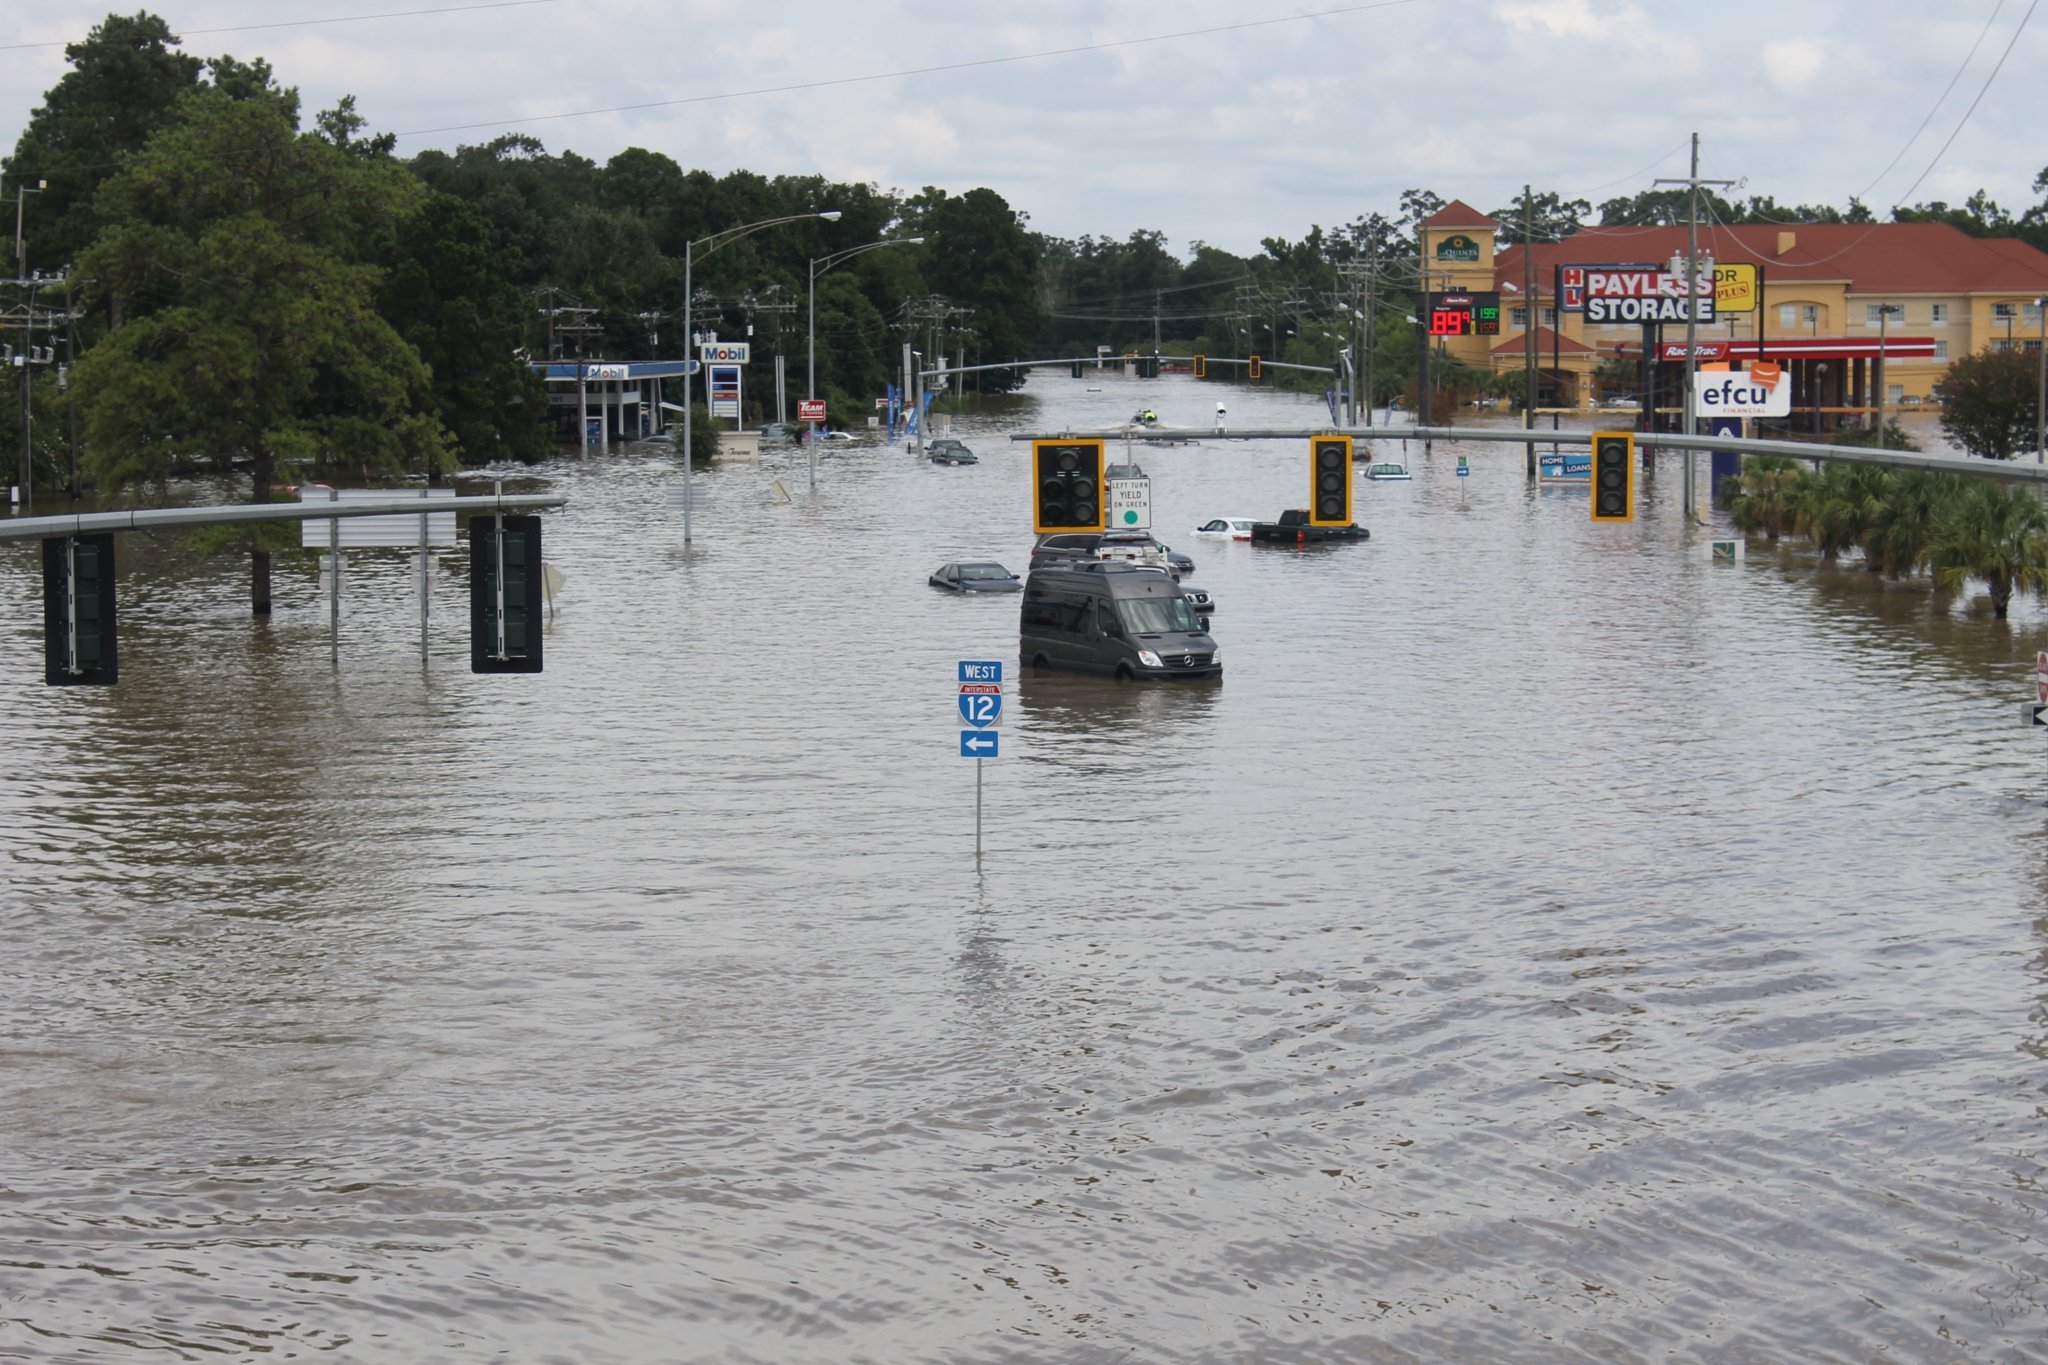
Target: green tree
(124, 78)
(449, 290)
(1994, 533)
(1764, 495)
(979, 254)
(1555, 218)
(1837, 507)
(1987, 403)
(251, 332)
(1904, 528)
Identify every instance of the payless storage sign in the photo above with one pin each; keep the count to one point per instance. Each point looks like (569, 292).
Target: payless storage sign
(1763, 390)
(1635, 293)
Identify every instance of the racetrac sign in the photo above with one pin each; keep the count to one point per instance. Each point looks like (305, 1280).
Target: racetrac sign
(1635, 293)
(1763, 390)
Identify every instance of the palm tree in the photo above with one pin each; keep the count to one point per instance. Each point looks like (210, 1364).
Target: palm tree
(1995, 533)
(1759, 498)
(1898, 541)
(1838, 507)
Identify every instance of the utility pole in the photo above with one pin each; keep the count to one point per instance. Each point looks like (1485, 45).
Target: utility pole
(1529, 302)
(1687, 422)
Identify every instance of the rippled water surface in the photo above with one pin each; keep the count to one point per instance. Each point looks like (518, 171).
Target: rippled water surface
(1544, 943)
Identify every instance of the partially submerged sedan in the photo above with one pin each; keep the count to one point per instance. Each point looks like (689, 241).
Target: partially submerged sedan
(976, 576)
(1226, 528)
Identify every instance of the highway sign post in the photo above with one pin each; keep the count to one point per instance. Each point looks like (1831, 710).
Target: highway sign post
(981, 706)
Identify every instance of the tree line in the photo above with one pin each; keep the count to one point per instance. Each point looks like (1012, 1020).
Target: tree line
(240, 287)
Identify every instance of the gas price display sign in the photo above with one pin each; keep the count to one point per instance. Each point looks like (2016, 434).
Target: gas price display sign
(1469, 313)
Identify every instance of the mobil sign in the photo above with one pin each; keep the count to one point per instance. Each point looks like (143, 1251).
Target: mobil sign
(1763, 390)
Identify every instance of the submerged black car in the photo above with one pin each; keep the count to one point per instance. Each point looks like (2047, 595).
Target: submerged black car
(949, 451)
(976, 576)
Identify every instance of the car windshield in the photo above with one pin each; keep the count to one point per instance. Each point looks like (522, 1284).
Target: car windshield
(1154, 615)
(979, 571)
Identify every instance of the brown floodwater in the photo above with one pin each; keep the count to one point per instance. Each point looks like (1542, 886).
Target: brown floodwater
(1543, 943)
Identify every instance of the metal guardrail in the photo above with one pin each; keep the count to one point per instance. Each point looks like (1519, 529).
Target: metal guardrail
(2019, 471)
(158, 518)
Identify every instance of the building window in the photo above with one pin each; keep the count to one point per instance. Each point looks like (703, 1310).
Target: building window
(1940, 313)
(2031, 313)
(1518, 317)
(1550, 317)
(1805, 315)
(1788, 314)
(1941, 350)
(1874, 313)
(2004, 310)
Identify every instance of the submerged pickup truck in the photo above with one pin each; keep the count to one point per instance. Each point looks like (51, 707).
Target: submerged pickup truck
(1293, 528)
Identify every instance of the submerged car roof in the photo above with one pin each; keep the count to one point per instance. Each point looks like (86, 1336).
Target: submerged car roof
(1119, 580)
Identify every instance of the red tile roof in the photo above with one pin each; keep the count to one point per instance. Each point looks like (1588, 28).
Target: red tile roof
(1458, 213)
(1889, 258)
(1545, 339)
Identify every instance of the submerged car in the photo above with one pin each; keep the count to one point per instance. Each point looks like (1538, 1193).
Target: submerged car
(1137, 547)
(1226, 528)
(1387, 471)
(950, 452)
(975, 576)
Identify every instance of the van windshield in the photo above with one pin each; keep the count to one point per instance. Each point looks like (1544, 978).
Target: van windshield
(1154, 615)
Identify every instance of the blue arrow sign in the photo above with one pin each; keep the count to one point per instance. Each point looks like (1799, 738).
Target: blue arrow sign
(980, 709)
(978, 744)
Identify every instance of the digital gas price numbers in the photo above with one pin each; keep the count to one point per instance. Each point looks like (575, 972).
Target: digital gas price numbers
(1471, 313)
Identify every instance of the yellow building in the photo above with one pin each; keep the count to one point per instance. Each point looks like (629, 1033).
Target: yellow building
(1826, 297)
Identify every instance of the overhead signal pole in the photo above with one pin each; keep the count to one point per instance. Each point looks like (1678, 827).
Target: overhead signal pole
(1687, 423)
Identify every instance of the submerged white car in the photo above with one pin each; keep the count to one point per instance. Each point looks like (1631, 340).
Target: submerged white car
(1226, 528)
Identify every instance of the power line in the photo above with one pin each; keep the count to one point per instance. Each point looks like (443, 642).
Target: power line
(307, 23)
(1939, 100)
(1112, 45)
(2018, 29)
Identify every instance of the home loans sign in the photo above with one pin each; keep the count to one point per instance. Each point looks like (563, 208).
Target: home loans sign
(1634, 293)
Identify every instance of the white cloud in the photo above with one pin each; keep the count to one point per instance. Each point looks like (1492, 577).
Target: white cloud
(1794, 64)
(1230, 136)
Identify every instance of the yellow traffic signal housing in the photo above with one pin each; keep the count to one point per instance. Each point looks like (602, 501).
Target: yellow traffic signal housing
(1254, 372)
(1614, 476)
(1201, 367)
(1329, 474)
(1069, 492)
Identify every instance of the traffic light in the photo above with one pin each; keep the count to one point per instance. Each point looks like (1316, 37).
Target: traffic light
(1077, 369)
(78, 612)
(1614, 476)
(1201, 367)
(1329, 471)
(1254, 371)
(505, 595)
(1069, 490)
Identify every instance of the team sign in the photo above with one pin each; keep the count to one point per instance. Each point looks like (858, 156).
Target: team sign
(1636, 293)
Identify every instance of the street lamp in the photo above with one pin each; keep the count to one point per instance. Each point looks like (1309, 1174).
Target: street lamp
(2041, 383)
(711, 244)
(1884, 312)
(819, 265)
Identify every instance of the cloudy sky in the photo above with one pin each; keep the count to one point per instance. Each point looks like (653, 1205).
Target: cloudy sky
(1210, 120)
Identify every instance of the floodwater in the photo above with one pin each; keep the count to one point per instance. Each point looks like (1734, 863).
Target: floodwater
(1544, 943)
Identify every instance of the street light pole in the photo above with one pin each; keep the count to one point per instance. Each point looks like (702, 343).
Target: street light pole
(2041, 384)
(819, 265)
(711, 244)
